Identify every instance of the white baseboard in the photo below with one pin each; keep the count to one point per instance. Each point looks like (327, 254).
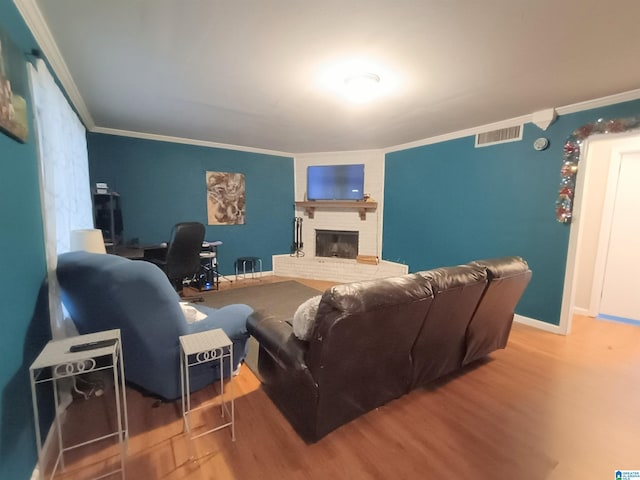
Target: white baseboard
(249, 276)
(532, 322)
(581, 311)
(36, 473)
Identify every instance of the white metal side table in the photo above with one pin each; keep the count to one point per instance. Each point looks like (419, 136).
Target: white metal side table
(57, 362)
(199, 348)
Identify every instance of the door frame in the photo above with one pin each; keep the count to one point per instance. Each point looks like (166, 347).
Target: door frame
(576, 231)
(622, 147)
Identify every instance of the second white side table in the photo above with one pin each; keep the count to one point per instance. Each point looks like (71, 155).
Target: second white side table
(203, 347)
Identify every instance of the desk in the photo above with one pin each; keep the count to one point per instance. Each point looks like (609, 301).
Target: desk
(142, 252)
(208, 278)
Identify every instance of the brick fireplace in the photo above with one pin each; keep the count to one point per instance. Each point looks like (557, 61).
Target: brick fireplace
(328, 262)
(331, 254)
(337, 243)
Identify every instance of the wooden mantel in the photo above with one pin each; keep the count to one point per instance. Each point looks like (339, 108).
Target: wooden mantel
(361, 207)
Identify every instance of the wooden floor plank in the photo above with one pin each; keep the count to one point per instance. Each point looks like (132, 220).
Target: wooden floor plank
(546, 407)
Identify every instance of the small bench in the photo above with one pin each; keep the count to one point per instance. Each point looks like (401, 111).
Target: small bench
(250, 265)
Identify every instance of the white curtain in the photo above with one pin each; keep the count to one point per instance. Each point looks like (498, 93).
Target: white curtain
(64, 178)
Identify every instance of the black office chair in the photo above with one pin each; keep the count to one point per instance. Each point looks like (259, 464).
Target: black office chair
(183, 253)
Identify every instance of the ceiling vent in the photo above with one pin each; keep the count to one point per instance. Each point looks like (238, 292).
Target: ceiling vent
(503, 135)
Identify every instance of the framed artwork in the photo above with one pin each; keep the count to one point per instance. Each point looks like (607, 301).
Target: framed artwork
(13, 89)
(225, 198)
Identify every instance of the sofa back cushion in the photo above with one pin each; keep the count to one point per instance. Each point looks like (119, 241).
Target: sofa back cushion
(359, 351)
(441, 344)
(491, 323)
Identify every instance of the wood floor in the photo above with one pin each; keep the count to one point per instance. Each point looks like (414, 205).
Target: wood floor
(546, 407)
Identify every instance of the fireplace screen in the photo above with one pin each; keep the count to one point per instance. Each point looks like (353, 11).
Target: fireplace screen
(336, 243)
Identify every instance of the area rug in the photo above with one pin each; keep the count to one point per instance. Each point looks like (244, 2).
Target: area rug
(280, 300)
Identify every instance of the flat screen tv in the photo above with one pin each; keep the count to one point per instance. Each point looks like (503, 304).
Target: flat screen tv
(335, 182)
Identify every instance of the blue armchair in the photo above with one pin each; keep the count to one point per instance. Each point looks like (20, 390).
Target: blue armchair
(102, 292)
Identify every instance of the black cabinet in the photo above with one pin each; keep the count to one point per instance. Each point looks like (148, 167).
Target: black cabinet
(107, 216)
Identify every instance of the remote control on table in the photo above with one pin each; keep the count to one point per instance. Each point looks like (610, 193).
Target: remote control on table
(81, 347)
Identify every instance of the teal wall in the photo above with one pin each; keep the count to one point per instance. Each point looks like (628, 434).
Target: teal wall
(446, 203)
(23, 326)
(163, 183)
(449, 203)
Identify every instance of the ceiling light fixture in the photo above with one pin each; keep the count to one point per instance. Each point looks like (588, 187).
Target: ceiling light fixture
(358, 80)
(361, 87)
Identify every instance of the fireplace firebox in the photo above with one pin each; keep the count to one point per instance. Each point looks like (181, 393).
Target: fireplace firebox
(336, 243)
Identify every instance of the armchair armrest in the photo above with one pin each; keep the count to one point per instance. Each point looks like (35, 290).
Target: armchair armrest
(277, 338)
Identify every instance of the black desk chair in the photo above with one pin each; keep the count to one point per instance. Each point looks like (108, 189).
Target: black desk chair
(183, 253)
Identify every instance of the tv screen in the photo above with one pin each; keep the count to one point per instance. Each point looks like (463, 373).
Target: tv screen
(335, 182)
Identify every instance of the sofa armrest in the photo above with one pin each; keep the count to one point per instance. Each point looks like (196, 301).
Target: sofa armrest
(277, 338)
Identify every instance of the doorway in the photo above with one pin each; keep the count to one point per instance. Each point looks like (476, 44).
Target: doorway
(596, 192)
(616, 287)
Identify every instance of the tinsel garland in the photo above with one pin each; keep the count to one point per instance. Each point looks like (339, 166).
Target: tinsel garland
(571, 156)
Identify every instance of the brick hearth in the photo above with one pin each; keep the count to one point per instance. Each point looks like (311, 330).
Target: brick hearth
(334, 269)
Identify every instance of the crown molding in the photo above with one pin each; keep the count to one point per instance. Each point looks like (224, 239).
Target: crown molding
(600, 102)
(187, 141)
(371, 151)
(36, 23)
(567, 109)
(461, 133)
(40, 30)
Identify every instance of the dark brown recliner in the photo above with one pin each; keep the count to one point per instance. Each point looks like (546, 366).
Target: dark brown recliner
(441, 345)
(491, 323)
(359, 354)
(358, 357)
(374, 341)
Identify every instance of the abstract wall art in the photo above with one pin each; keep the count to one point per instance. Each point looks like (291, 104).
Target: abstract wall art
(225, 198)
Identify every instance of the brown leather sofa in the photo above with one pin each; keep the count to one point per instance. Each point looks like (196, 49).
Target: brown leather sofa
(374, 341)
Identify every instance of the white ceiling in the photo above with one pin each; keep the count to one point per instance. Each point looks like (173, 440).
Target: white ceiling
(244, 72)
